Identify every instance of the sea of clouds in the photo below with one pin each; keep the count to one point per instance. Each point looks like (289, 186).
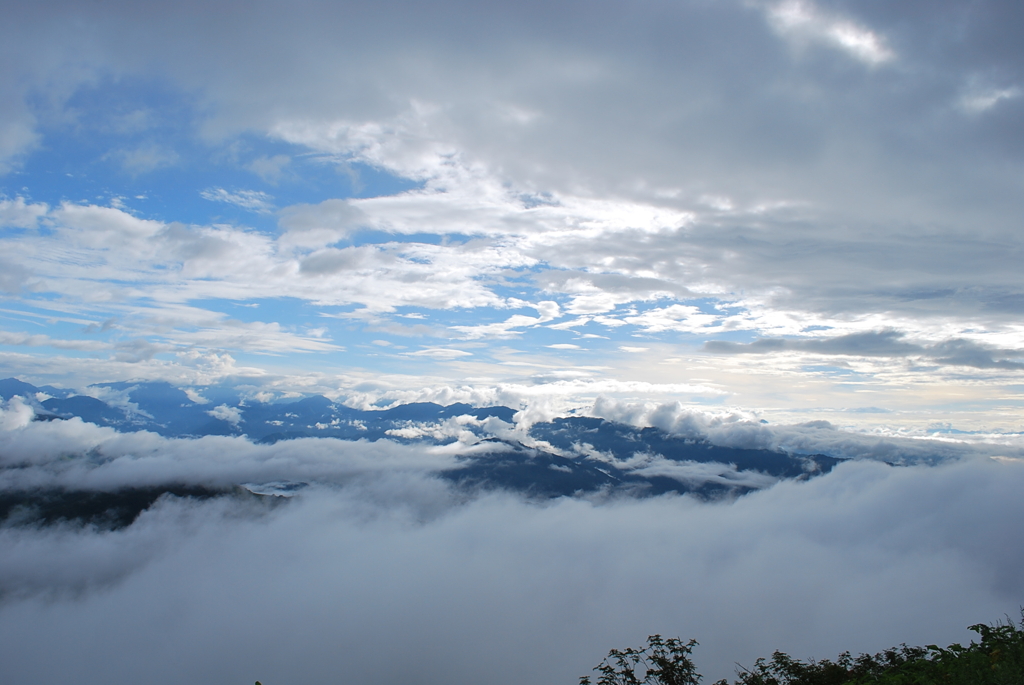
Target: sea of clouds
(381, 572)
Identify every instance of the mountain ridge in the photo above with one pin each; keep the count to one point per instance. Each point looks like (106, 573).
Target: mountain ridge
(564, 457)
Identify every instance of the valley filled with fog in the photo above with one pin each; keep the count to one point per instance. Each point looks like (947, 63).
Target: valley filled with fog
(316, 559)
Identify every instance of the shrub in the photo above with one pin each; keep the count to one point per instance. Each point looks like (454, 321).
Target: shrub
(662, 662)
(998, 659)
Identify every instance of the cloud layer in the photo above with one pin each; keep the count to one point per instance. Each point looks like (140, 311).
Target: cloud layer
(471, 182)
(394, 578)
(381, 570)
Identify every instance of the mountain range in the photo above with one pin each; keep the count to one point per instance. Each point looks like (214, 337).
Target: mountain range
(566, 456)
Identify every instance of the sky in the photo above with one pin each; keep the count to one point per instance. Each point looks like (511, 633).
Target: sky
(805, 210)
(781, 210)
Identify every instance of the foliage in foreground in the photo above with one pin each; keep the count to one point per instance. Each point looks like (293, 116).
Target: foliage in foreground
(666, 662)
(998, 659)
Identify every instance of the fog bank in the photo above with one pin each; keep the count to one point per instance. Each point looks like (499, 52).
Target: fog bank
(394, 577)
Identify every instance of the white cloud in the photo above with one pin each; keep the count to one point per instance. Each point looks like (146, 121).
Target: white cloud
(254, 336)
(105, 228)
(223, 412)
(195, 396)
(270, 169)
(699, 473)
(744, 429)
(803, 19)
(547, 311)
(34, 455)
(15, 414)
(20, 214)
(337, 576)
(40, 340)
(443, 353)
(675, 317)
(538, 401)
(313, 226)
(252, 200)
(979, 101)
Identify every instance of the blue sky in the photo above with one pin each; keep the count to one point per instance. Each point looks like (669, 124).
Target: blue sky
(833, 188)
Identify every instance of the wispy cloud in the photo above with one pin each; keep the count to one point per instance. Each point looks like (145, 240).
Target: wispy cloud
(803, 20)
(979, 100)
(440, 353)
(145, 159)
(251, 200)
